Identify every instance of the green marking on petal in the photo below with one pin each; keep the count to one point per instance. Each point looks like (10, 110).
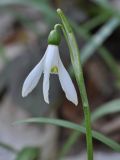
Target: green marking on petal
(54, 69)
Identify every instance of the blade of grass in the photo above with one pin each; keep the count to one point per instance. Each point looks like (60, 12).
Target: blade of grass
(111, 63)
(99, 38)
(62, 123)
(7, 147)
(105, 4)
(28, 153)
(94, 22)
(45, 8)
(2, 53)
(107, 108)
(109, 60)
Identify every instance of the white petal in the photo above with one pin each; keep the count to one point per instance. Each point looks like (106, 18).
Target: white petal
(50, 60)
(46, 86)
(32, 79)
(52, 56)
(67, 84)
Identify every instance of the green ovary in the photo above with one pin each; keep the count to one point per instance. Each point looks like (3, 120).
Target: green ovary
(54, 69)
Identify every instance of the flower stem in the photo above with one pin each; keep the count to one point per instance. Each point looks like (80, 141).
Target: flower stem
(75, 59)
(88, 133)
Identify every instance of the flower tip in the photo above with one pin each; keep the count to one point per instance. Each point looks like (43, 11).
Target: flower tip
(24, 92)
(59, 10)
(76, 102)
(47, 101)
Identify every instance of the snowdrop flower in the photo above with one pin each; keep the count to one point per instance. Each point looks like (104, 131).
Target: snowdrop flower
(50, 63)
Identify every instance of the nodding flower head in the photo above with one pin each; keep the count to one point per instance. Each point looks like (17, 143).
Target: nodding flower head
(50, 64)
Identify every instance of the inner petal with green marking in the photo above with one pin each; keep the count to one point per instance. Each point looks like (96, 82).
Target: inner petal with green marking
(54, 70)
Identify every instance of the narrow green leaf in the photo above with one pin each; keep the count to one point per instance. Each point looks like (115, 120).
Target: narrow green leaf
(108, 108)
(2, 53)
(99, 38)
(28, 153)
(95, 21)
(7, 147)
(104, 53)
(42, 6)
(108, 7)
(62, 123)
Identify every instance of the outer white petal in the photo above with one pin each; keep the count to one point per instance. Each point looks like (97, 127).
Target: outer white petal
(50, 60)
(32, 79)
(67, 84)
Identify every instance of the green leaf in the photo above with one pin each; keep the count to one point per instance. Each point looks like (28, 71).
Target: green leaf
(104, 53)
(66, 124)
(108, 108)
(95, 21)
(42, 6)
(99, 38)
(28, 153)
(105, 4)
(7, 147)
(2, 53)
